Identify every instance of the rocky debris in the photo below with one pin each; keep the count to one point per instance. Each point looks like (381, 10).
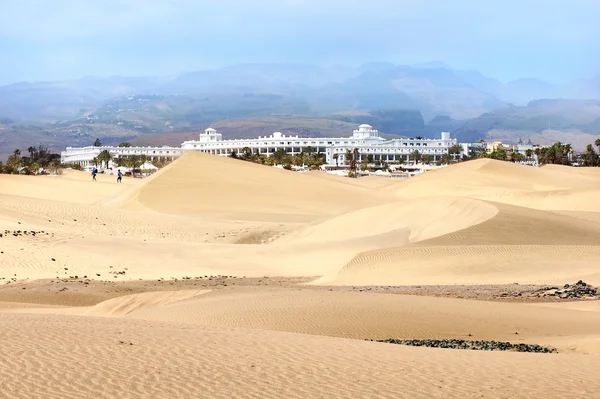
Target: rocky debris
(505, 292)
(23, 233)
(570, 291)
(467, 344)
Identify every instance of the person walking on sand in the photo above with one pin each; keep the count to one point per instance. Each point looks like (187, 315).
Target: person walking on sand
(120, 178)
(94, 172)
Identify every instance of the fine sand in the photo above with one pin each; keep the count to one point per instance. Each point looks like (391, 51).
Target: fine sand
(219, 278)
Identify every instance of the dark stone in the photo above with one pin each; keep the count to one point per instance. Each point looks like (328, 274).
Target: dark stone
(471, 345)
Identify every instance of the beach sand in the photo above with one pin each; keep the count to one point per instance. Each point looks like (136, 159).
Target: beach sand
(220, 278)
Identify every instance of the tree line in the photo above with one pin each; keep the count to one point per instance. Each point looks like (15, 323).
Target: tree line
(307, 157)
(39, 160)
(556, 154)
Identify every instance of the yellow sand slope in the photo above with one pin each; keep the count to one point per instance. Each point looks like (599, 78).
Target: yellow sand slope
(477, 222)
(522, 242)
(483, 221)
(141, 359)
(205, 184)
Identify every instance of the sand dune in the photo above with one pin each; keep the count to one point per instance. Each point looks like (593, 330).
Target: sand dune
(71, 187)
(121, 306)
(378, 316)
(199, 184)
(370, 182)
(348, 314)
(479, 222)
(549, 188)
(419, 219)
(516, 245)
(71, 357)
(210, 215)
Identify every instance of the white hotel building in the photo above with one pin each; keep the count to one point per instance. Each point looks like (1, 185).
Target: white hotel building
(365, 138)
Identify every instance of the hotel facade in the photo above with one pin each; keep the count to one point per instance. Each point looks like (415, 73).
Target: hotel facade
(365, 139)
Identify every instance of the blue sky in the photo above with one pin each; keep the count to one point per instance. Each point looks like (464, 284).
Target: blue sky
(555, 40)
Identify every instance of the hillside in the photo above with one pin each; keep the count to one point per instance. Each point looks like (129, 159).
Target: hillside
(396, 99)
(542, 121)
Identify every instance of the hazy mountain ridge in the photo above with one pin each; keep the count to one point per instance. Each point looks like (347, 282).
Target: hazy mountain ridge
(397, 99)
(398, 86)
(571, 117)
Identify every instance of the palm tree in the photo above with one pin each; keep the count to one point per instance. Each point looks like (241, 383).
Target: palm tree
(590, 158)
(279, 156)
(31, 151)
(528, 153)
(517, 157)
(446, 159)
(34, 168)
(297, 160)
(55, 167)
(104, 156)
(415, 156)
(597, 144)
(364, 164)
(246, 153)
(336, 156)
(426, 159)
(455, 150)
(499, 154)
(13, 163)
(352, 157)
(348, 157)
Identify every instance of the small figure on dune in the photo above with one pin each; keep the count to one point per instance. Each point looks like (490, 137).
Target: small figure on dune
(120, 176)
(94, 173)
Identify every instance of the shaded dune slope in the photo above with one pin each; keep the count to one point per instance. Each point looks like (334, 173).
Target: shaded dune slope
(360, 315)
(420, 219)
(121, 306)
(521, 241)
(518, 244)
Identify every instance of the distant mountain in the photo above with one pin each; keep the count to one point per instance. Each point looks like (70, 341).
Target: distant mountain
(431, 90)
(480, 82)
(400, 99)
(517, 92)
(570, 117)
(585, 88)
(431, 65)
(522, 91)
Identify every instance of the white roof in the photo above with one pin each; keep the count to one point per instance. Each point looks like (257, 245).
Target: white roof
(148, 166)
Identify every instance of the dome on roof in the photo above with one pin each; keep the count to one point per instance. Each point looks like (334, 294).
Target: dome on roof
(365, 126)
(210, 130)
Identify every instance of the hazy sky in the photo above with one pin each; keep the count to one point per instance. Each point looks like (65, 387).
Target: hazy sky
(59, 39)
